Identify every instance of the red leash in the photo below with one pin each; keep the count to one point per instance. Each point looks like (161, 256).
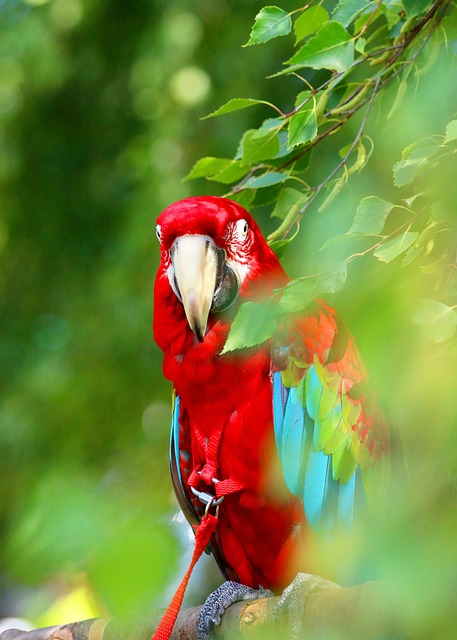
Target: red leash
(207, 525)
(203, 534)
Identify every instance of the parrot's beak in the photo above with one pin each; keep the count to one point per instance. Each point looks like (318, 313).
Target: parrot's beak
(196, 263)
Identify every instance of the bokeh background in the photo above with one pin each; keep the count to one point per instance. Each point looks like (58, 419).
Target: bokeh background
(100, 107)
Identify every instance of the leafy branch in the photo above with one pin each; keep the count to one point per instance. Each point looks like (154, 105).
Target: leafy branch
(342, 61)
(385, 43)
(411, 236)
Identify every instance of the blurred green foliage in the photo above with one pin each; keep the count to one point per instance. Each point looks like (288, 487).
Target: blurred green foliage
(99, 121)
(100, 107)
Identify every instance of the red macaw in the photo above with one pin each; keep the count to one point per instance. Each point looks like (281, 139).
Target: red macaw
(280, 439)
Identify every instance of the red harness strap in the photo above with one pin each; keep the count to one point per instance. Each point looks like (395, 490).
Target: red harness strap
(203, 534)
(207, 525)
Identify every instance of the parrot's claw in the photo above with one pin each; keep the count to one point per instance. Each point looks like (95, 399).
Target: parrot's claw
(293, 601)
(220, 600)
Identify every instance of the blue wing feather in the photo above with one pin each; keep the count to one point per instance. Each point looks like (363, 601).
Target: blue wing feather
(293, 443)
(317, 470)
(301, 439)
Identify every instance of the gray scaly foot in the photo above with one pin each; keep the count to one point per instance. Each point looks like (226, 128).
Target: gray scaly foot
(219, 600)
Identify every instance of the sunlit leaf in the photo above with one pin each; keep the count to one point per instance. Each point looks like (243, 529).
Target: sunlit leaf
(360, 45)
(271, 123)
(309, 21)
(371, 215)
(208, 166)
(235, 104)
(331, 48)
(343, 239)
(416, 7)
(302, 98)
(258, 145)
(270, 22)
(439, 318)
(302, 127)
(346, 10)
(391, 249)
(230, 173)
(333, 276)
(421, 149)
(267, 180)
(288, 199)
(451, 131)
(405, 170)
(420, 244)
(297, 295)
(253, 324)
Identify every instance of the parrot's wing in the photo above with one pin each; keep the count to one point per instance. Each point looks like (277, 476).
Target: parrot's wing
(330, 434)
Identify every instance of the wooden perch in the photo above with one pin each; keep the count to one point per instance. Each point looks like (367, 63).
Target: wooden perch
(358, 612)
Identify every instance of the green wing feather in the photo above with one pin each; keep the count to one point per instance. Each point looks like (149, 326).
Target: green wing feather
(346, 435)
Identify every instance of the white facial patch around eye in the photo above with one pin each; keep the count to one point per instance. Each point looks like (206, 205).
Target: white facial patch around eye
(241, 230)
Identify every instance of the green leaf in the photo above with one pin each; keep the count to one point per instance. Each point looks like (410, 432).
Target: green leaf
(258, 145)
(270, 22)
(267, 195)
(333, 276)
(416, 7)
(309, 22)
(271, 123)
(303, 97)
(273, 126)
(235, 104)
(420, 244)
(360, 45)
(331, 48)
(421, 149)
(244, 198)
(253, 324)
(302, 127)
(298, 295)
(266, 180)
(232, 172)
(346, 10)
(279, 246)
(343, 239)
(371, 215)
(288, 199)
(451, 131)
(208, 166)
(440, 320)
(391, 249)
(414, 158)
(405, 170)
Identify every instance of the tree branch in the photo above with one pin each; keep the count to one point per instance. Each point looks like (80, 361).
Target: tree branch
(361, 611)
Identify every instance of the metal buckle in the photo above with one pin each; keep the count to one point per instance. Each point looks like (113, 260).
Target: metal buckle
(207, 498)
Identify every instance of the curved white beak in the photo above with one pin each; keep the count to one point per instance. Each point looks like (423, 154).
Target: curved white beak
(193, 276)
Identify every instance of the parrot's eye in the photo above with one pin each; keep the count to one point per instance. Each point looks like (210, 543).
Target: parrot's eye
(158, 232)
(242, 229)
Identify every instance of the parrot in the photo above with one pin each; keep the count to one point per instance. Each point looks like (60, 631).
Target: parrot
(280, 443)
